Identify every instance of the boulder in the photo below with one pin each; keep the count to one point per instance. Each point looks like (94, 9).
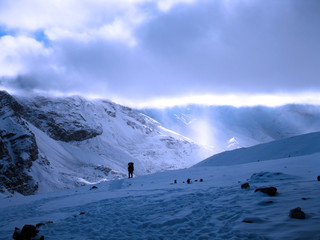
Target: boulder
(245, 185)
(28, 232)
(297, 213)
(271, 191)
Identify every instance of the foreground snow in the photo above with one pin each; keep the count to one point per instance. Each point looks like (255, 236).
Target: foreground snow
(152, 207)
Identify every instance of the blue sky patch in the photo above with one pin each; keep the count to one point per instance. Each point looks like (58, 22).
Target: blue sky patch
(40, 36)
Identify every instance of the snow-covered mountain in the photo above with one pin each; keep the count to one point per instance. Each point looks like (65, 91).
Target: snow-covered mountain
(154, 207)
(54, 143)
(226, 127)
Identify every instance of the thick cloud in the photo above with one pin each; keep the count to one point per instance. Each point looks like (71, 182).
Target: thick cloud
(147, 49)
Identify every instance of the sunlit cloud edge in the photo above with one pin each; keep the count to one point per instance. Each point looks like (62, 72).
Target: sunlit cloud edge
(234, 99)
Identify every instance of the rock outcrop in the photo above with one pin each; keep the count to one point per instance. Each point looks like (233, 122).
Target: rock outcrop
(18, 148)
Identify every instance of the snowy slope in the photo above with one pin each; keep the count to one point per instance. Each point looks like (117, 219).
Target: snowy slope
(78, 142)
(228, 128)
(153, 207)
(290, 147)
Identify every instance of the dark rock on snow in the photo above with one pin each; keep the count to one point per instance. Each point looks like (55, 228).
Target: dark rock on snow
(297, 213)
(264, 203)
(245, 185)
(28, 232)
(252, 220)
(43, 223)
(271, 191)
(318, 178)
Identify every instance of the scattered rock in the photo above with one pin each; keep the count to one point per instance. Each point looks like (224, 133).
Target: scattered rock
(318, 178)
(28, 232)
(43, 223)
(93, 187)
(304, 198)
(201, 180)
(271, 191)
(247, 221)
(189, 181)
(253, 220)
(82, 213)
(264, 203)
(196, 180)
(297, 213)
(245, 185)
(175, 181)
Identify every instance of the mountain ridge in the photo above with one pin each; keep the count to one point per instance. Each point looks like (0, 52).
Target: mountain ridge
(74, 141)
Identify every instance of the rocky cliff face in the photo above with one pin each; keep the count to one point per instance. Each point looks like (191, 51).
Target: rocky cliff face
(54, 143)
(52, 118)
(18, 148)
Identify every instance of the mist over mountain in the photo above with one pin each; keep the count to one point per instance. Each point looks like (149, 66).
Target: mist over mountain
(227, 127)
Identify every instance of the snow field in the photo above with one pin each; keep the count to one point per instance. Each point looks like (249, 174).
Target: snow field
(153, 207)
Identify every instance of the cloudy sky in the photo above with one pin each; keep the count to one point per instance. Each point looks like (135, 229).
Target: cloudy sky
(162, 52)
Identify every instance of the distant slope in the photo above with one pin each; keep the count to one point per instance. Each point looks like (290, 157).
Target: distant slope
(290, 147)
(226, 127)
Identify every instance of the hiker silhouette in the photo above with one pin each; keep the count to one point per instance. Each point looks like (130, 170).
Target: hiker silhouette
(130, 169)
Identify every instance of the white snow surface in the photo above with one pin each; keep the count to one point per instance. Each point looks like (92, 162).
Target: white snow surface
(153, 207)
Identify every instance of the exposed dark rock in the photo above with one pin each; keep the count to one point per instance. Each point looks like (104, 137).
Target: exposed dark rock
(93, 187)
(304, 198)
(175, 181)
(245, 185)
(43, 223)
(62, 126)
(253, 220)
(188, 180)
(318, 178)
(297, 213)
(18, 148)
(201, 180)
(247, 221)
(264, 203)
(28, 232)
(82, 213)
(103, 169)
(271, 191)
